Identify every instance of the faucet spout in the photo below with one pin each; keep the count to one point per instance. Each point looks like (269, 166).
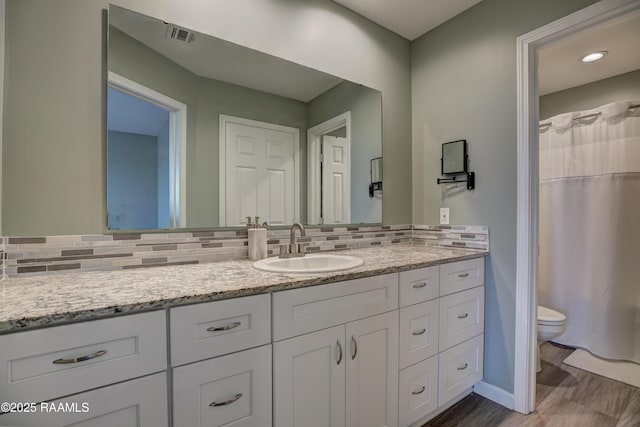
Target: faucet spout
(292, 233)
(294, 249)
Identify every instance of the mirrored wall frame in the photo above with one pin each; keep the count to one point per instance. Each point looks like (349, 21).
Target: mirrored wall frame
(248, 85)
(454, 157)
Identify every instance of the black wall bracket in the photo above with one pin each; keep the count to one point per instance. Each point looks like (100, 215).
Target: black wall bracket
(469, 178)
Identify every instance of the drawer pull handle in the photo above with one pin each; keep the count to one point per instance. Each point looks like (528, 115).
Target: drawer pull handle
(224, 328)
(419, 391)
(225, 403)
(80, 359)
(420, 285)
(354, 347)
(462, 316)
(340, 350)
(463, 275)
(463, 367)
(420, 332)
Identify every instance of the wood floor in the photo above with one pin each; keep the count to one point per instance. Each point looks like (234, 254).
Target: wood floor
(565, 397)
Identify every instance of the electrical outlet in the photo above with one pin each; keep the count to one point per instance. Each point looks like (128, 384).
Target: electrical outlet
(444, 216)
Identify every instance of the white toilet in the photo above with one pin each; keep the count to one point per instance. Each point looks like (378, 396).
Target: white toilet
(550, 324)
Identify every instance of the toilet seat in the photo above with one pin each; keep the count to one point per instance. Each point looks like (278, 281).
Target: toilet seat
(547, 316)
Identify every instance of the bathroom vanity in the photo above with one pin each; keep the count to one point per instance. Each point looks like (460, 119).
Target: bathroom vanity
(392, 342)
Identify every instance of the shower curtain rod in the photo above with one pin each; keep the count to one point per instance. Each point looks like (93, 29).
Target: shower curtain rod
(587, 116)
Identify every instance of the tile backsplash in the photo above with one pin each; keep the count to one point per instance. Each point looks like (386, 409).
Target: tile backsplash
(459, 236)
(29, 256)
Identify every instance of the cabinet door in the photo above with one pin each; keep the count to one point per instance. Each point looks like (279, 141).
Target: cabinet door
(372, 371)
(232, 390)
(309, 380)
(136, 403)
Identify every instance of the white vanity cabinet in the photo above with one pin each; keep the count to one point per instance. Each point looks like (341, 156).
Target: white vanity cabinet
(441, 337)
(46, 364)
(230, 383)
(345, 373)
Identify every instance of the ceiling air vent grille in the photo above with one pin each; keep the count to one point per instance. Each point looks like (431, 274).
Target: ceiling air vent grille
(180, 34)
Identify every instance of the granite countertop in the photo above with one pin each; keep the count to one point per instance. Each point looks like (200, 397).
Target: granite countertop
(55, 299)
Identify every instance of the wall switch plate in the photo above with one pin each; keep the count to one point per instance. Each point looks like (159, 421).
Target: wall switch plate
(444, 216)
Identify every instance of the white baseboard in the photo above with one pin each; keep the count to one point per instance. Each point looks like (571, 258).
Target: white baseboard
(495, 394)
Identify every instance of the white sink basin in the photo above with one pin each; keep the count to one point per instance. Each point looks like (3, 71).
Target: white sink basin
(310, 263)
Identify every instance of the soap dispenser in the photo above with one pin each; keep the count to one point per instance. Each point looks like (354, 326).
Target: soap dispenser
(257, 240)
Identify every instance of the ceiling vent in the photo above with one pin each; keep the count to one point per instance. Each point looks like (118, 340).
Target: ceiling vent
(180, 34)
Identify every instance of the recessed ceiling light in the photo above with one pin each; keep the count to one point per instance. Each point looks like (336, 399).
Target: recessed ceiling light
(593, 56)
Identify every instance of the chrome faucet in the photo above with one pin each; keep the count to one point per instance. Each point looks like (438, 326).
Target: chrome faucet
(293, 249)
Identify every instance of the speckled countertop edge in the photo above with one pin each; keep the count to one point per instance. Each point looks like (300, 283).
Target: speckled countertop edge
(41, 301)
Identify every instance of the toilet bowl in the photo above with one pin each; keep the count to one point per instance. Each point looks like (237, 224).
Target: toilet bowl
(550, 324)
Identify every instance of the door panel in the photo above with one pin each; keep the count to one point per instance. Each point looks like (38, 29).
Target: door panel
(309, 375)
(372, 371)
(335, 180)
(259, 177)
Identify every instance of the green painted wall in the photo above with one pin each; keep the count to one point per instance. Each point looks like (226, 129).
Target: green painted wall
(464, 87)
(618, 88)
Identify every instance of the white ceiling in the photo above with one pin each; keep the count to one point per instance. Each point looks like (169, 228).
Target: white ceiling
(217, 59)
(408, 18)
(559, 67)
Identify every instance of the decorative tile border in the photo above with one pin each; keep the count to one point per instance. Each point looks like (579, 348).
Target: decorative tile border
(32, 256)
(459, 236)
(2, 258)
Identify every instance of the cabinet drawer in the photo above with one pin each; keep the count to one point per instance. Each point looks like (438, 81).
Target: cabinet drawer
(228, 390)
(418, 332)
(136, 403)
(212, 329)
(418, 391)
(419, 285)
(460, 368)
(461, 275)
(48, 363)
(303, 310)
(461, 317)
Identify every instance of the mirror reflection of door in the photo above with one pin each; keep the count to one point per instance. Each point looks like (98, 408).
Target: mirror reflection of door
(334, 186)
(259, 172)
(144, 155)
(329, 171)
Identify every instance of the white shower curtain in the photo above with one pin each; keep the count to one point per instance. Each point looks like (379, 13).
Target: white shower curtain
(589, 227)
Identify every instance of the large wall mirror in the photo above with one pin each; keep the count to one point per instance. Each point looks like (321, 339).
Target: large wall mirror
(203, 133)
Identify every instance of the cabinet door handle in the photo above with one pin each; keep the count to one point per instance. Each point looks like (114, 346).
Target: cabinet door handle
(226, 402)
(80, 359)
(224, 328)
(463, 275)
(354, 347)
(463, 367)
(420, 332)
(340, 350)
(422, 389)
(462, 316)
(420, 285)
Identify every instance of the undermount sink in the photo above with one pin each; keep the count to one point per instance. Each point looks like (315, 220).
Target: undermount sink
(311, 263)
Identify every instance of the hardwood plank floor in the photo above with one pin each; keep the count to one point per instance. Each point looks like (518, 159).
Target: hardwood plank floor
(565, 397)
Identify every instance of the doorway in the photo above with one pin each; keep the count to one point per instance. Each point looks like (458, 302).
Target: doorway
(329, 171)
(528, 47)
(135, 112)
